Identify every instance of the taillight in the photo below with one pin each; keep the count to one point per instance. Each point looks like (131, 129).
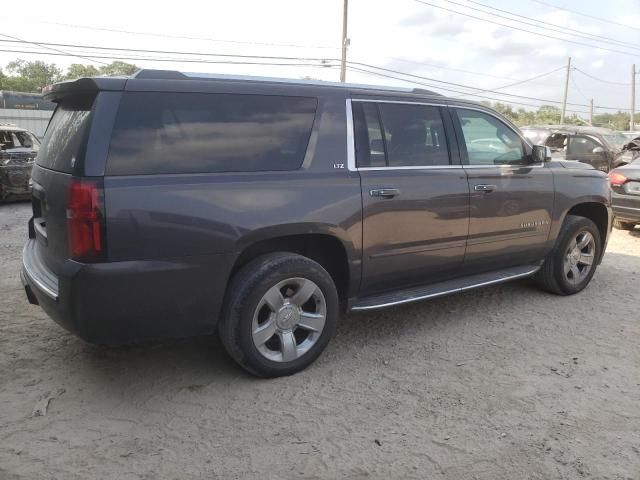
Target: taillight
(616, 178)
(84, 220)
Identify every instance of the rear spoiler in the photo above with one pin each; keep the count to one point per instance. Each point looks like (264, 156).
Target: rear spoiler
(82, 86)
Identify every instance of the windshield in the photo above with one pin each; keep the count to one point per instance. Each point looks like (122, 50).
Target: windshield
(10, 140)
(616, 140)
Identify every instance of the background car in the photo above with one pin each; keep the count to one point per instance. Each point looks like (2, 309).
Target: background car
(600, 147)
(625, 186)
(18, 150)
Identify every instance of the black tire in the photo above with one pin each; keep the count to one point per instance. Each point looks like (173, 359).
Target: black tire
(551, 277)
(246, 292)
(620, 225)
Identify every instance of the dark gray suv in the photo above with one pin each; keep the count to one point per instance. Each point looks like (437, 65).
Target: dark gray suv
(171, 205)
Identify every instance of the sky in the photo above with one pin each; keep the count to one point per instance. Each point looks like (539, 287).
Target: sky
(431, 40)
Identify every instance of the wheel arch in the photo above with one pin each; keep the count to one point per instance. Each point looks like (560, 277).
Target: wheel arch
(599, 214)
(325, 244)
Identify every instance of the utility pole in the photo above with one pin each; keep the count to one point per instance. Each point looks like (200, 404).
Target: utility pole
(632, 121)
(566, 91)
(345, 42)
(591, 112)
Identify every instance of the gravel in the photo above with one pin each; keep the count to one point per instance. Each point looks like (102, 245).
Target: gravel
(500, 383)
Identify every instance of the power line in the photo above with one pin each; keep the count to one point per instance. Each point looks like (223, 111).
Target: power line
(579, 33)
(519, 82)
(363, 70)
(180, 37)
(605, 20)
(524, 30)
(178, 60)
(440, 67)
(573, 81)
(601, 79)
(41, 45)
(544, 100)
(323, 62)
(141, 50)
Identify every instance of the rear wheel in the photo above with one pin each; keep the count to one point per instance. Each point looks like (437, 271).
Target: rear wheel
(572, 263)
(280, 313)
(620, 225)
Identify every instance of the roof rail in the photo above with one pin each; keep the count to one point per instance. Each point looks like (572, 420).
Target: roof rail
(151, 74)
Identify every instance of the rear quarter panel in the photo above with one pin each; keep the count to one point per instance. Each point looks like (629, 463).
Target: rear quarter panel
(218, 215)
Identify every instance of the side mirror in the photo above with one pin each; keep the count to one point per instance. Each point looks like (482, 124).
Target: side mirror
(598, 150)
(540, 154)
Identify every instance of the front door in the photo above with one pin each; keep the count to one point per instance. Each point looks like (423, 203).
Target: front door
(415, 195)
(511, 198)
(589, 150)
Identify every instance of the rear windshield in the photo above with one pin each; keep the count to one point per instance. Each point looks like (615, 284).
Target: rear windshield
(157, 133)
(65, 139)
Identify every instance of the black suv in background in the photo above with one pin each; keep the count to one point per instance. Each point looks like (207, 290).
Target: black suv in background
(600, 147)
(169, 205)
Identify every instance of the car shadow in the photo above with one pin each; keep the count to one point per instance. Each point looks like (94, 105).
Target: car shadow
(201, 364)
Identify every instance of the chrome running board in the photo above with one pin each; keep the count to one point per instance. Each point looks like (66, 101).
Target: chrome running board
(449, 287)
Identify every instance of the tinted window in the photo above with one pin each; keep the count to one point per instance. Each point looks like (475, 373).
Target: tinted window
(196, 133)
(414, 135)
(488, 140)
(65, 138)
(581, 146)
(369, 141)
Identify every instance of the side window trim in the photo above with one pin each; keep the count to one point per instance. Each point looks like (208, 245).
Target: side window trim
(351, 140)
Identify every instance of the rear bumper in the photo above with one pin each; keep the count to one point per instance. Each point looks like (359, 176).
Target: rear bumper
(132, 301)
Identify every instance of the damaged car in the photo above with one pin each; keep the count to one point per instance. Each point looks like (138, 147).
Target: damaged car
(18, 150)
(599, 147)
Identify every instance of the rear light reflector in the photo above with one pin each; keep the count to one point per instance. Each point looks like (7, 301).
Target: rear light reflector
(84, 219)
(616, 178)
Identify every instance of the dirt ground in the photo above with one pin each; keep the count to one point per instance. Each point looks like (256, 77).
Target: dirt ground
(501, 383)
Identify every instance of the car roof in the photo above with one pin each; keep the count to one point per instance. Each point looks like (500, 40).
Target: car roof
(570, 129)
(174, 78)
(12, 128)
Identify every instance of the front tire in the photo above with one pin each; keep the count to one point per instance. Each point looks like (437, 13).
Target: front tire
(569, 267)
(280, 312)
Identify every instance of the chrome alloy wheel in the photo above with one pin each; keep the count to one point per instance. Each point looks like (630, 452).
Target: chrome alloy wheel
(289, 319)
(579, 257)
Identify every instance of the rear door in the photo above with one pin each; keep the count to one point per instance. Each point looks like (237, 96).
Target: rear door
(511, 199)
(414, 193)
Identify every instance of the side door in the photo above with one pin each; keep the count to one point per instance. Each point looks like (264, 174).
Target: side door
(587, 149)
(415, 195)
(511, 198)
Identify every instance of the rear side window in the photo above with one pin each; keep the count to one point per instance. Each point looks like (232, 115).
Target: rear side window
(66, 136)
(157, 133)
(399, 135)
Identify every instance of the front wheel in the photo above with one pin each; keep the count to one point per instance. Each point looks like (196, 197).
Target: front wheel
(569, 267)
(280, 312)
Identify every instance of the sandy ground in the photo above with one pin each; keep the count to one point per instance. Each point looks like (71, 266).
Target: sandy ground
(501, 383)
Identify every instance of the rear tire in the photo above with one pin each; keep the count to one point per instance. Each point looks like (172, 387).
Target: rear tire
(280, 312)
(569, 267)
(620, 225)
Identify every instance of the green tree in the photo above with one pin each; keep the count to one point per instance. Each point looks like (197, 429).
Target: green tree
(119, 68)
(24, 76)
(78, 70)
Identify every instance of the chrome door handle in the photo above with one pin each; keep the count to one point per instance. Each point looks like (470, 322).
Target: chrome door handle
(384, 192)
(484, 188)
